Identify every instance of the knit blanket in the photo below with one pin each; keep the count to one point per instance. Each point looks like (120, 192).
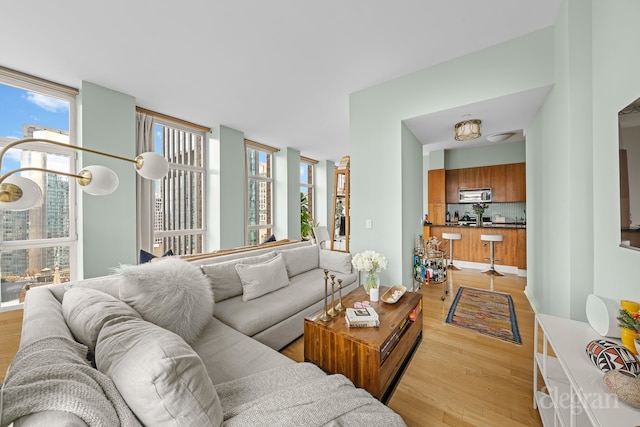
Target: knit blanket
(54, 374)
(301, 395)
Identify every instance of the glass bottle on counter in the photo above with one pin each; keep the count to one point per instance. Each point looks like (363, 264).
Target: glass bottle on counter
(448, 217)
(456, 217)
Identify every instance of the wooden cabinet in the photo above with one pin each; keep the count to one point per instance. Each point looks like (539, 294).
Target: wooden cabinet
(512, 251)
(437, 196)
(507, 182)
(516, 182)
(452, 186)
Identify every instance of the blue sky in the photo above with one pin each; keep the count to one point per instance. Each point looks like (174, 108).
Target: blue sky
(19, 107)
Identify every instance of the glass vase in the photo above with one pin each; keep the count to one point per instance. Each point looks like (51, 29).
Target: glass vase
(370, 279)
(479, 220)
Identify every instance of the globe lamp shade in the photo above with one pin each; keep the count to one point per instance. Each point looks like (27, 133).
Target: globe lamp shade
(151, 165)
(98, 180)
(20, 193)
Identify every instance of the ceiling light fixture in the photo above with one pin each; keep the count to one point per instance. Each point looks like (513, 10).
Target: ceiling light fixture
(467, 130)
(20, 193)
(500, 137)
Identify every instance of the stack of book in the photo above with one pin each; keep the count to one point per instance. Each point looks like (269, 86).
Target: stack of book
(364, 317)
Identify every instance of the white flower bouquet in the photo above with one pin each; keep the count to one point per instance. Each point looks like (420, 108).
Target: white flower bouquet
(371, 262)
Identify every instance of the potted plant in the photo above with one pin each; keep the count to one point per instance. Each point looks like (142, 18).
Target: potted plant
(630, 325)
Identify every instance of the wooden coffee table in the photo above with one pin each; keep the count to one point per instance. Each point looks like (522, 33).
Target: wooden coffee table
(372, 358)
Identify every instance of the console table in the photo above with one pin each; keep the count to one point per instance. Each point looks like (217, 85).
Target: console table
(572, 392)
(372, 358)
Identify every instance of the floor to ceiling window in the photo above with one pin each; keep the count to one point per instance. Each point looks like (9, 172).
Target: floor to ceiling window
(37, 246)
(178, 223)
(259, 165)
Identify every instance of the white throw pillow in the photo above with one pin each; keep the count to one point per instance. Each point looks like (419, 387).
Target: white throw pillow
(171, 293)
(299, 260)
(162, 379)
(335, 261)
(260, 279)
(86, 311)
(224, 278)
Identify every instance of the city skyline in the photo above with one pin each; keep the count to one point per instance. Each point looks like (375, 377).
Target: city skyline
(20, 107)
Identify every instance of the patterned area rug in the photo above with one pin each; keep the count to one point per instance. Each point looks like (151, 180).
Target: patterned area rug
(488, 312)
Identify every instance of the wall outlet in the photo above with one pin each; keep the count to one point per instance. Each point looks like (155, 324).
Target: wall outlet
(367, 223)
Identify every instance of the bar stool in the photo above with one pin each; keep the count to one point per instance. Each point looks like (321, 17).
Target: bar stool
(451, 237)
(491, 238)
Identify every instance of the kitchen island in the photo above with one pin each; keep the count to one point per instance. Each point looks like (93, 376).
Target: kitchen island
(510, 254)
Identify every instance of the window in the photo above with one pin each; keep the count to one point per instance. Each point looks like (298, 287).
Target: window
(260, 192)
(306, 196)
(39, 245)
(178, 223)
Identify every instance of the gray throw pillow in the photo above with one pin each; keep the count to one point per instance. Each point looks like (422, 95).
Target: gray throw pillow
(170, 292)
(260, 279)
(162, 379)
(299, 260)
(224, 278)
(86, 311)
(335, 261)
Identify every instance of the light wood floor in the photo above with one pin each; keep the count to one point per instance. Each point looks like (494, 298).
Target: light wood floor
(10, 327)
(458, 377)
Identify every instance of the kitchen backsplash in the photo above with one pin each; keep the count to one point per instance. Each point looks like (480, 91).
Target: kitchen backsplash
(513, 212)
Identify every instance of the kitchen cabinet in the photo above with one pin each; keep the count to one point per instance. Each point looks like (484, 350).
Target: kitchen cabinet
(451, 183)
(507, 182)
(437, 196)
(516, 182)
(512, 251)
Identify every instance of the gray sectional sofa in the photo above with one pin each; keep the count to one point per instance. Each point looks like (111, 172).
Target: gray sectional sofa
(149, 346)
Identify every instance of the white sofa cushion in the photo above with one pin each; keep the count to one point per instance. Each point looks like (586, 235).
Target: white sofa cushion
(170, 293)
(159, 375)
(299, 260)
(335, 261)
(224, 278)
(86, 311)
(260, 279)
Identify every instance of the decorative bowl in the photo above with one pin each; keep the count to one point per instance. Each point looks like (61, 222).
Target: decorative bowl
(393, 294)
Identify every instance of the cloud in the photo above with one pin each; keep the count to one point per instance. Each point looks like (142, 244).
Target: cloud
(54, 105)
(13, 154)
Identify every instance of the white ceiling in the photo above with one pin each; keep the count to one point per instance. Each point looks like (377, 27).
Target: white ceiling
(280, 71)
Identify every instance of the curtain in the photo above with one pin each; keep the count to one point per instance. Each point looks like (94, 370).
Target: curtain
(144, 187)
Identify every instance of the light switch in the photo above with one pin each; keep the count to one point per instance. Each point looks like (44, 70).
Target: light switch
(368, 223)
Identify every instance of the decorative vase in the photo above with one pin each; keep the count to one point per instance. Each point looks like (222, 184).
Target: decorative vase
(628, 339)
(479, 220)
(370, 280)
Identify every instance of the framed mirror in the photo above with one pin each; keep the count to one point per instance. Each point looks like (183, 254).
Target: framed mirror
(629, 152)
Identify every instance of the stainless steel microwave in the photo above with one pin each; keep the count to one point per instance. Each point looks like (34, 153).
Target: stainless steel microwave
(474, 195)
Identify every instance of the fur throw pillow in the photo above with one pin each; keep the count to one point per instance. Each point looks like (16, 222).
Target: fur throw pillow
(172, 293)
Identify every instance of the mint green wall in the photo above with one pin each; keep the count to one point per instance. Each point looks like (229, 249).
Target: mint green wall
(377, 174)
(412, 215)
(107, 123)
(323, 190)
(287, 194)
(505, 153)
(226, 208)
(615, 82)
(561, 182)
